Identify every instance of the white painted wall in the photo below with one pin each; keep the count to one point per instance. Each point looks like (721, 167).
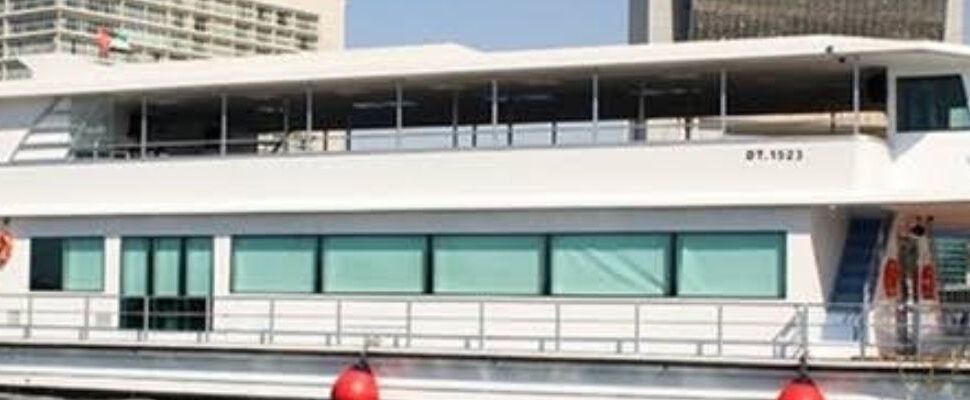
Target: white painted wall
(677, 175)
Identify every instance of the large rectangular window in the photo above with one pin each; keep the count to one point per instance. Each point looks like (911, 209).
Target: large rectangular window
(67, 264)
(617, 265)
(374, 264)
(274, 264)
(731, 265)
(932, 104)
(166, 267)
(166, 279)
(488, 264)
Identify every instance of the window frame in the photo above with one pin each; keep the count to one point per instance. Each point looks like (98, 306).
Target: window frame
(898, 114)
(61, 240)
(543, 281)
(317, 265)
(670, 269)
(782, 273)
(427, 266)
(183, 264)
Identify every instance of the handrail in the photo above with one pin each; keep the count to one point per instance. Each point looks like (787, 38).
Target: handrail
(753, 329)
(443, 138)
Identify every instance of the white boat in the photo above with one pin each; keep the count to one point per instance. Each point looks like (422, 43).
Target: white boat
(496, 224)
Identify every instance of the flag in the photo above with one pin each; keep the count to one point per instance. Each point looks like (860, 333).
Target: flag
(120, 42)
(111, 41)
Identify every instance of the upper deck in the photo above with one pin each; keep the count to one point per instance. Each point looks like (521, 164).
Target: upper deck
(780, 121)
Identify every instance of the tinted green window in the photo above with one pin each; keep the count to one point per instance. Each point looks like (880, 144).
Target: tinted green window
(274, 264)
(166, 271)
(69, 264)
(932, 103)
(731, 265)
(952, 258)
(134, 264)
(625, 265)
(198, 266)
(487, 264)
(374, 264)
(83, 264)
(178, 266)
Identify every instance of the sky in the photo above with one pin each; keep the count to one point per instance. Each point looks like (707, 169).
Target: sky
(491, 24)
(487, 24)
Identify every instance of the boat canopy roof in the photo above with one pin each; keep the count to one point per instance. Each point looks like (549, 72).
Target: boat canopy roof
(66, 75)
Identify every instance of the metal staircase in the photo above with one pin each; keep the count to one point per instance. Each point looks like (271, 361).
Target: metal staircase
(49, 137)
(859, 257)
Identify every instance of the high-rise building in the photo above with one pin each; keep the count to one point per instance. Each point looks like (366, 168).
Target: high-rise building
(680, 20)
(156, 30)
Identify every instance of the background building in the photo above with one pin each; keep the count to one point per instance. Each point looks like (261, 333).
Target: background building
(678, 20)
(155, 30)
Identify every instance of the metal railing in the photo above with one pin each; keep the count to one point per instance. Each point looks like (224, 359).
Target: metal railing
(464, 137)
(607, 327)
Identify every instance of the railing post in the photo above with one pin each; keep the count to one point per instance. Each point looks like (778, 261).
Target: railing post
(143, 136)
(339, 321)
(30, 317)
(596, 107)
(864, 329)
(209, 315)
(723, 100)
(481, 325)
(409, 317)
(398, 114)
(720, 330)
(803, 327)
(144, 318)
(558, 327)
(223, 123)
(636, 328)
(917, 329)
(856, 97)
(272, 321)
(85, 332)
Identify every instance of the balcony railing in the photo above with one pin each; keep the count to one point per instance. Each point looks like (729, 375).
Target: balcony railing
(459, 138)
(752, 330)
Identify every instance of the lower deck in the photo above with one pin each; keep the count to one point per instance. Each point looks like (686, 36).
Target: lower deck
(282, 373)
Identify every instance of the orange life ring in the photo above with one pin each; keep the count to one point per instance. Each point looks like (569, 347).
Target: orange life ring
(6, 247)
(892, 278)
(927, 282)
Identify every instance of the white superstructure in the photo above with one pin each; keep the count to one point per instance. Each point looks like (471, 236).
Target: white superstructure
(722, 200)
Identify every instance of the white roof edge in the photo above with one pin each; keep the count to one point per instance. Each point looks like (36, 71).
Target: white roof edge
(53, 75)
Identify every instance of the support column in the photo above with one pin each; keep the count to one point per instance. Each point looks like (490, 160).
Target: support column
(398, 114)
(596, 108)
(495, 111)
(143, 137)
(724, 101)
(856, 96)
(455, 118)
(640, 130)
(286, 125)
(309, 121)
(223, 124)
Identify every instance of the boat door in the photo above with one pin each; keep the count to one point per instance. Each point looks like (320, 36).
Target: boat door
(166, 283)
